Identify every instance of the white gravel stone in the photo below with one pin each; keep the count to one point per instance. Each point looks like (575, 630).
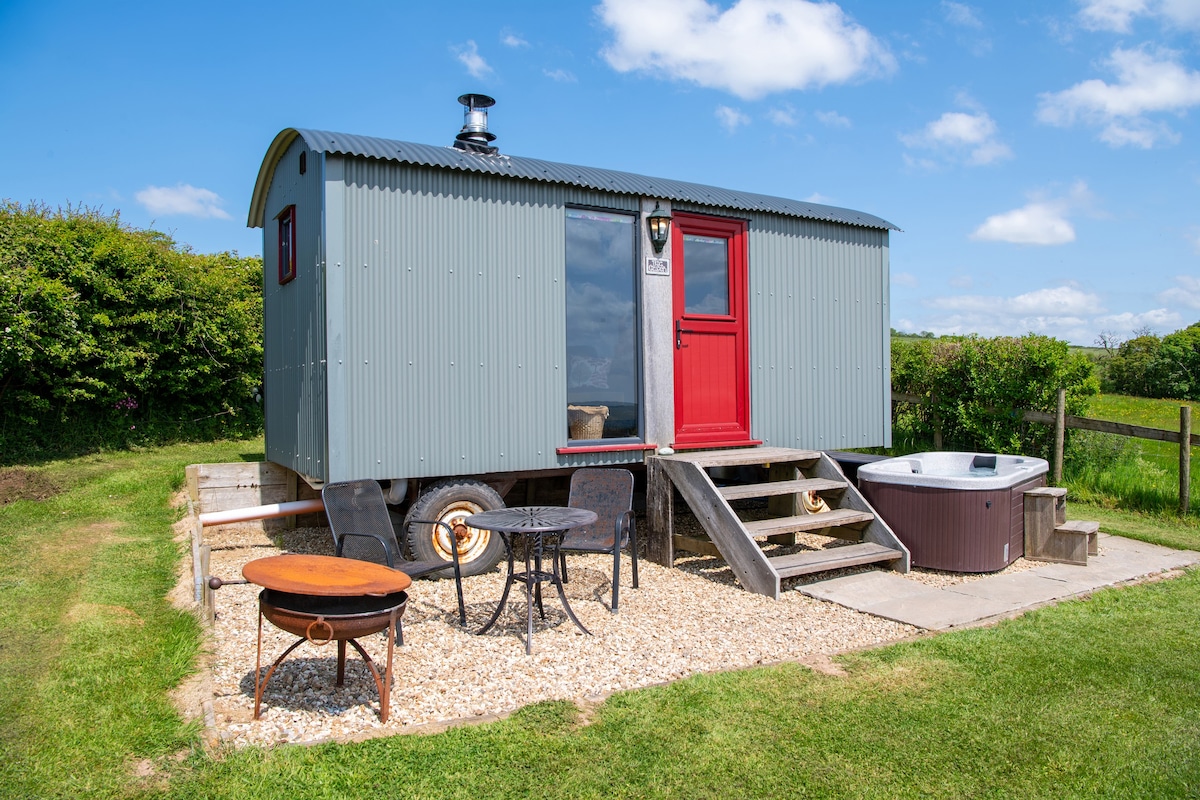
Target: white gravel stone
(680, 622)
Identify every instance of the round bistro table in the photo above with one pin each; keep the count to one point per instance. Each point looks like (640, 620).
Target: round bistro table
(322, 598)
(535, 523)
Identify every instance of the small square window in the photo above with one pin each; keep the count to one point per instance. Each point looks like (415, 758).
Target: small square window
(287, 244)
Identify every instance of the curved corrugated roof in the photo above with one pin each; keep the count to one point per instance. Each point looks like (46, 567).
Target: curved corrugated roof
(549, 171)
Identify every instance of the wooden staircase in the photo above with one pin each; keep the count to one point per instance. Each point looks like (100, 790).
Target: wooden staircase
(790, 473)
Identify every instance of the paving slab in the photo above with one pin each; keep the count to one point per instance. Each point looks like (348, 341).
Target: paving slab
(866, 588)
(903, 599)
(1019, 590)
(939, 609)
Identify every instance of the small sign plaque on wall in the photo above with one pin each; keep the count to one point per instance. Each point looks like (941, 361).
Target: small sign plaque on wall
(658, 266)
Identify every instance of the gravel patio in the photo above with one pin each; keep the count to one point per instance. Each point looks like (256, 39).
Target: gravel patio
(680, 622)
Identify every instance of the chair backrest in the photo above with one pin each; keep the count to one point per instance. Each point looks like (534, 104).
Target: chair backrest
(608, 492)
(357, 507)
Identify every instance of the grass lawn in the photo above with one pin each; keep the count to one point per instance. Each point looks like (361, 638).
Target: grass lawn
(1091, 698)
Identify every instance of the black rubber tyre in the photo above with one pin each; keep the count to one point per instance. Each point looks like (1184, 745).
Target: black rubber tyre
(452, 501)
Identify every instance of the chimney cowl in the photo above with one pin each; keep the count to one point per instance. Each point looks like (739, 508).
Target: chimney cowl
(475, 136)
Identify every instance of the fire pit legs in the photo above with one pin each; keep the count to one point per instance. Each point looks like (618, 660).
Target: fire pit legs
(383, 683)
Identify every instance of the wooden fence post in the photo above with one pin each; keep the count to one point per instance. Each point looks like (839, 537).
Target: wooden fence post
(1060, 428)
(1185, 459)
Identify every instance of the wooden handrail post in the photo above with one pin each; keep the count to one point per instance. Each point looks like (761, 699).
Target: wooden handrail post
(1060, 429)
(1185, 459)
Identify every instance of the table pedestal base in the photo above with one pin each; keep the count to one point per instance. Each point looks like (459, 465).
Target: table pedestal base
(533, 577)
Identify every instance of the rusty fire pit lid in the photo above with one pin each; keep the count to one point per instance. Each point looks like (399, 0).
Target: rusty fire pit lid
(325, 576)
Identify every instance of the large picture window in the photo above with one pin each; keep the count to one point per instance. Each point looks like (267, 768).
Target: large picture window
(603, 394)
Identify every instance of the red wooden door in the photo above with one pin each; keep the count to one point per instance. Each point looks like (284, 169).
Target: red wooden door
(712, 386)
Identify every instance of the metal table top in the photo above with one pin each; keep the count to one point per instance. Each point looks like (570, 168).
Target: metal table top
(531, 519)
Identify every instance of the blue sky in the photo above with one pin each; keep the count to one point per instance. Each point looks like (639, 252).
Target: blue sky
(1042, 158)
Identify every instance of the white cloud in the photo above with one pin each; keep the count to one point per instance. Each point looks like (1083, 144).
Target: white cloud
(468, 54)
(513, 40)
(751, 49)
(1185, 292)
(833, 119)
(905, 279)
(957, 136)
(182, 199)
(1040, 222)
(1157, 319)
(961, 15)
(1036, 223)
(1065, 312)
(730, 118)
(961, 282)
(560, 75)
(1147, 82)
(817, 197)
(784, 116)
(1118, 15)
(1110, 15)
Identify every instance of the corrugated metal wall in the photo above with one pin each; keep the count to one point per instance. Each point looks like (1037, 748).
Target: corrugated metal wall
(450, 302)
(441, 294)
(819, 330)
(294, 321)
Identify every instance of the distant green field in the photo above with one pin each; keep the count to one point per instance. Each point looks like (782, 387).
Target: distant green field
(1124, 472)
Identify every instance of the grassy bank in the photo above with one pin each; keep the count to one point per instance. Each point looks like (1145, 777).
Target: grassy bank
(89, 647)
(1094, 698)
(1123, 472)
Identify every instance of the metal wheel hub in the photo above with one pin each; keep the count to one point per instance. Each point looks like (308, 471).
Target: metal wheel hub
(470, 542)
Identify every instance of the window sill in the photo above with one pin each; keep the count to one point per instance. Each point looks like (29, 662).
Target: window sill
(570, 450)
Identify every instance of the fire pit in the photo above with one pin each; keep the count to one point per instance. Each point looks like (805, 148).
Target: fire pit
(323, 599)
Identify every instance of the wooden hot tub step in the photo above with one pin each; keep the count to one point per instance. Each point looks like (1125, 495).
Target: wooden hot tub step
(851, 555)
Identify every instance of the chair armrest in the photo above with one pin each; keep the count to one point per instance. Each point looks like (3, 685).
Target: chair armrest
(384, 543)
(449, 532)
(624, 524)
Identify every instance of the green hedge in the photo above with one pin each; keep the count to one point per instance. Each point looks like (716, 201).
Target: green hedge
(112, 336)
(975, 389)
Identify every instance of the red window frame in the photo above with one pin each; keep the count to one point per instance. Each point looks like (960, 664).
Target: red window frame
(287, 244)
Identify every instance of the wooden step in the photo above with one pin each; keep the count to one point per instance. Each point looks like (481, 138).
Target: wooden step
(1080, 527)
(851, 555)
(836, 518)
(773, 488)
(748, 456)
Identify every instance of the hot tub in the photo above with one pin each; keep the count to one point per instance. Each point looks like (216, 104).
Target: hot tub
(962, 512)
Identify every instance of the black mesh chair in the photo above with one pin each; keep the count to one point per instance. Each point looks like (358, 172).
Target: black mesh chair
(608, 492)
(362, 529)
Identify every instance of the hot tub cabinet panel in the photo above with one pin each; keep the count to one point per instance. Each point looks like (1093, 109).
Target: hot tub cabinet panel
(931, 501)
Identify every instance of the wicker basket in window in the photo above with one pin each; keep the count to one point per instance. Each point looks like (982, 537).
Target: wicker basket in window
(586, 422)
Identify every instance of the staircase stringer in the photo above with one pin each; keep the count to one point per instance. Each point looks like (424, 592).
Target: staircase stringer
(876, 531)
(744, 556)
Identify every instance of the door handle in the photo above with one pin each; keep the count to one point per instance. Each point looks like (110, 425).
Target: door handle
(679, 331)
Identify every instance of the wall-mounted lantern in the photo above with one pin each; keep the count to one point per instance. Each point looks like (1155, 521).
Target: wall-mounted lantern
(660, 227)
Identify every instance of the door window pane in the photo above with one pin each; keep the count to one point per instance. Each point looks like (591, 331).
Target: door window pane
(602, 345)
(706, 275)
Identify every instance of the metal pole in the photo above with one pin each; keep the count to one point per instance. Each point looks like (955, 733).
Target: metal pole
(1060, 429)
(1185, 459)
